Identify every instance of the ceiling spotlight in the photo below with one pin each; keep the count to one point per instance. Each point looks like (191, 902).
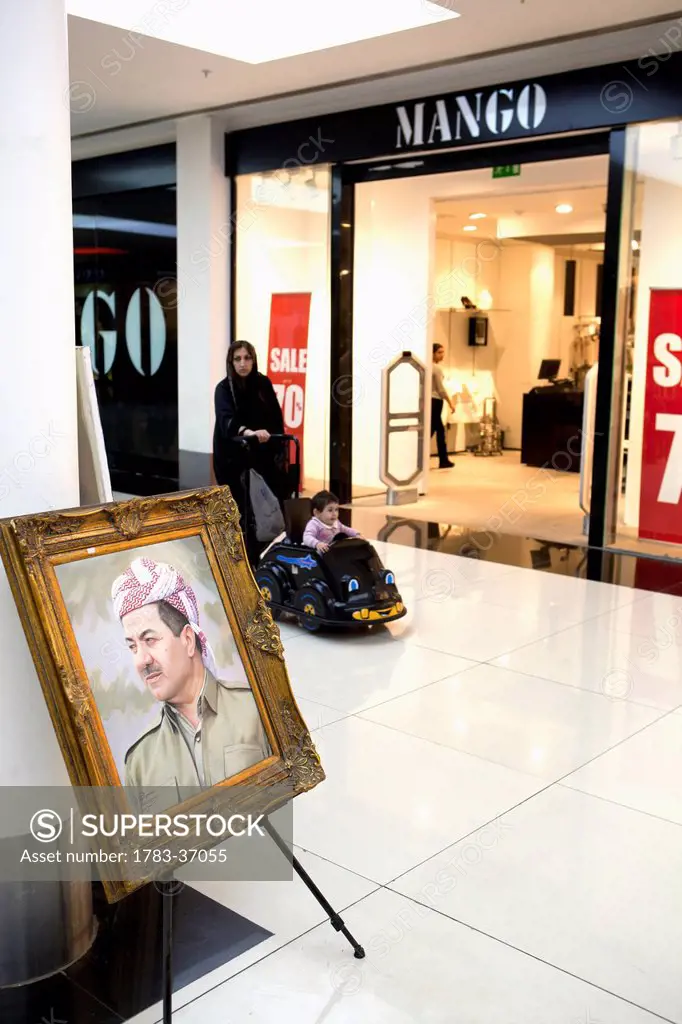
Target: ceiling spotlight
(469, 227)
(635, 245)
(476, 216)
(564, 208)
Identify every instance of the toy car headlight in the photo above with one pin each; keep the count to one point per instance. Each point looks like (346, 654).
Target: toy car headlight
(389, 578)
(353, 585)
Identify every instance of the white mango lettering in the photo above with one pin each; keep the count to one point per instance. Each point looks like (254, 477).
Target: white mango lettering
(469, 114)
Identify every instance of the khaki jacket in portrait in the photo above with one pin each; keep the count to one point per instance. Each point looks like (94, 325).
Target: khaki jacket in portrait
(232, 739)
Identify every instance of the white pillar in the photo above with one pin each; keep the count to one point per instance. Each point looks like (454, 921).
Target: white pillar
(392, 309)
(38, 432)
(38, 439)
(204, 232)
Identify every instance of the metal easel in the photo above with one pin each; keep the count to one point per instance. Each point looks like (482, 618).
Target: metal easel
(168, 889)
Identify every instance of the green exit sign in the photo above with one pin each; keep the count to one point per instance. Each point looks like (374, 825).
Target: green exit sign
(507, 171)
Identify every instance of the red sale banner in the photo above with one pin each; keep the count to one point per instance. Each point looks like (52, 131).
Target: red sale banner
(660, 501)
(288, 358)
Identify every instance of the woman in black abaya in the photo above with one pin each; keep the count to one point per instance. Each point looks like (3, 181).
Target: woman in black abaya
(246, 406)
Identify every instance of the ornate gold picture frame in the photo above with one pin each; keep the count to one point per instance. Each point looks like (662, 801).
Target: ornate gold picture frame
(64, 568)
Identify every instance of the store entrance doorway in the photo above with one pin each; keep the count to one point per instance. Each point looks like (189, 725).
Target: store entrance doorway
(501, 270)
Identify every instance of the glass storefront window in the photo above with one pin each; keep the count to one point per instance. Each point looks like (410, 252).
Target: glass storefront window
(283, 298)
(648, 392)
(125, 271)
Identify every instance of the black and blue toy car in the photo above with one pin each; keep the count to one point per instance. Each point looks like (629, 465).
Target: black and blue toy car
(346, 586)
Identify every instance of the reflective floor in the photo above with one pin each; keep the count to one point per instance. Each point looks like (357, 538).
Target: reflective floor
(501, 493)
(501, 824)
(644, 571)
(502, 819)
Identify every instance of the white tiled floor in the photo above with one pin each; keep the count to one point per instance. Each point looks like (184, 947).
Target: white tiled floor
(501, 824)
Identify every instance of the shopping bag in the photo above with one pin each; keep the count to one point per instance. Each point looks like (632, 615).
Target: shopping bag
(267, 514)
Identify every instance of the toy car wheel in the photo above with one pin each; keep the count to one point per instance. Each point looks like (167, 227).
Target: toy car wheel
(310, 606)
(269, 586)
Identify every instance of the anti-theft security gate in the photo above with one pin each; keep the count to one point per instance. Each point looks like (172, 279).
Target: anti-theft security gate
(403, 408)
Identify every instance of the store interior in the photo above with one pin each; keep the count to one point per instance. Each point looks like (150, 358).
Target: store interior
(503, 268)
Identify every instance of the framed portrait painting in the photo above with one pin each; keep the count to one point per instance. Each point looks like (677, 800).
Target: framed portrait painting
(160, 662)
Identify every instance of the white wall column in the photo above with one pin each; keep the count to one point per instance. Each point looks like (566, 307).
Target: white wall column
(393, 308)
(204, 236)
(38, 440)
(38, 436)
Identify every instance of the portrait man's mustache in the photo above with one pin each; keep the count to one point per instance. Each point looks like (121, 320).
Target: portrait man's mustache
(149, 670)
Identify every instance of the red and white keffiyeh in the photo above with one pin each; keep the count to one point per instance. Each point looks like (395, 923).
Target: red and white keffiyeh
(145, 582)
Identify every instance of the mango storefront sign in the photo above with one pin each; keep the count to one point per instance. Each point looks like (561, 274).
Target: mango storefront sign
(451, 119)
(580, 100)
(660, 509)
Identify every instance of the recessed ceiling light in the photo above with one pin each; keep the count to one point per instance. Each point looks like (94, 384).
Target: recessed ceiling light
(470, 227)
(269, 30)
(476, 216)
(564, 208)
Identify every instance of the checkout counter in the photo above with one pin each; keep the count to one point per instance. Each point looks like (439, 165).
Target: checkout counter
(552, 422)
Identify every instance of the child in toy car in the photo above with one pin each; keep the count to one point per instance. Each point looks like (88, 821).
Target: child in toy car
(325, 573)
(324, 523)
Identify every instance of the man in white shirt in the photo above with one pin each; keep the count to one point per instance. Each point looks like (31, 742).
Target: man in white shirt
(438, 398)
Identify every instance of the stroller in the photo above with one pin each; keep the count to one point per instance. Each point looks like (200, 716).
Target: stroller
(254, 520)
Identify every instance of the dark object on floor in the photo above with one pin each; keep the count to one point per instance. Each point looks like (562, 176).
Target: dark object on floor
(56, 1000)
(124, 968)
(551, 431)
(121, 975)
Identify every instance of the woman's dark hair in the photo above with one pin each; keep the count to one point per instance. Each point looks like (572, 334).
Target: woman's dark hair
(320, 500)
(436, 346)
(229, 361)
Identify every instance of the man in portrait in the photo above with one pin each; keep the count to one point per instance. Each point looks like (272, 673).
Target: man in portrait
(207, 730)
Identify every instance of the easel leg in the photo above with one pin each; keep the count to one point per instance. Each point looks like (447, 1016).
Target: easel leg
(167, 890)
(334, 918)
